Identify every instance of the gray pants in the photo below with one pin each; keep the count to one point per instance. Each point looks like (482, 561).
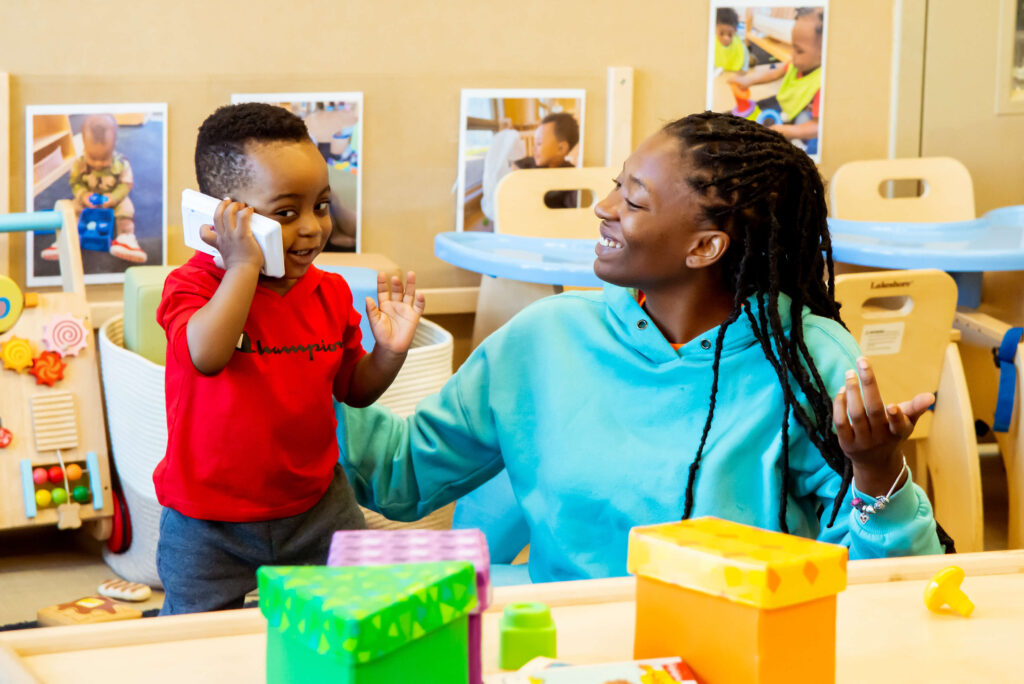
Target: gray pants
(209, 565)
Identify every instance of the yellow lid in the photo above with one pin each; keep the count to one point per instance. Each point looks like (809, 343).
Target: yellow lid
(738, 562)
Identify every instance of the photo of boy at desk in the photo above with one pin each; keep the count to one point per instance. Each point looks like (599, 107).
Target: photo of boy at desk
(712, 376)
(251, 474)
(512, 133)
(797, 64)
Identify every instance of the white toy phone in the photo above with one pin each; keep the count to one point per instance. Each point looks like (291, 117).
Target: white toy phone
(197, 210)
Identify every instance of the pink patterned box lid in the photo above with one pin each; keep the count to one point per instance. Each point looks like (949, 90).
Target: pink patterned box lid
(382, 547)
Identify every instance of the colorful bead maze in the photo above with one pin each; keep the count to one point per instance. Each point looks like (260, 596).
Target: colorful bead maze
(738, 603)
(366, 625)
(376, 547)
(54, 468)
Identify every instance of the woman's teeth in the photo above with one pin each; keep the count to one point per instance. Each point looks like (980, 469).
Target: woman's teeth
(609, 243)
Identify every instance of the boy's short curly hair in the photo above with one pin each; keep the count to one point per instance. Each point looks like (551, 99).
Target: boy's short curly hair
(727, 16)
(222, 164)
(567, 129)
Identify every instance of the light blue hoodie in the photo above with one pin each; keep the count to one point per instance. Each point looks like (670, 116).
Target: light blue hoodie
(597, 418)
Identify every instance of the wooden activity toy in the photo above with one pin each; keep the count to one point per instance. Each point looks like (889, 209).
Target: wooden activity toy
(363, 625)
(86, 611)
(54, 468)
(738, 603)
(376, 547)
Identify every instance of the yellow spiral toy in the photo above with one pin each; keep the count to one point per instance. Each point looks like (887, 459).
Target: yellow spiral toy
(11, 303)
(16, 354)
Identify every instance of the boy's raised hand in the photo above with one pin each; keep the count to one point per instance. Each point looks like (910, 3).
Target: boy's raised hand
(393, 318)
(232, 235)
(870, 433)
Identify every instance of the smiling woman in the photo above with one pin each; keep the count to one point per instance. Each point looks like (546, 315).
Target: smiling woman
(700, 381)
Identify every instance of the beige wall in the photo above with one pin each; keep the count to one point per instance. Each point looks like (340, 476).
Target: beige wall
(958, 112)
(410, 58)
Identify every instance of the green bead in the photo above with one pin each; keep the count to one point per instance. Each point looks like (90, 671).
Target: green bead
(59, 495)
(526, 631)
(81, 494)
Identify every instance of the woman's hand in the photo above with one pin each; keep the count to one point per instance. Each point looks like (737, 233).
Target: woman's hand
(871, 433)
(232, 235)
(394, 317)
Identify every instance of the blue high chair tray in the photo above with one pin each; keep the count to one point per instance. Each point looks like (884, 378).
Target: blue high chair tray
(965, 249)
(549, 261)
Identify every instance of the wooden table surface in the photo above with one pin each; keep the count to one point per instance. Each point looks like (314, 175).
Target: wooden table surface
(883, 631)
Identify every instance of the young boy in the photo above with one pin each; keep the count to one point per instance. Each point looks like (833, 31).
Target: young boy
(251, 473)
(553, 140)
(730, 54)
(799, 96)
(102, 170)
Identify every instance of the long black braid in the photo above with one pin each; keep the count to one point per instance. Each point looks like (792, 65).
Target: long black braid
(768, 196)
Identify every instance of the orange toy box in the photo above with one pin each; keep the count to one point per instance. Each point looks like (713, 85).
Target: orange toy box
(737, 603)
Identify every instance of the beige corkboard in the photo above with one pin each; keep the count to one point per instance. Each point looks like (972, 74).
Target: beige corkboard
(411, 64)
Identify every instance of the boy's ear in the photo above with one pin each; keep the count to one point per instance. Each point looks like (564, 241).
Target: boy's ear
(707, 248)
(563, 148)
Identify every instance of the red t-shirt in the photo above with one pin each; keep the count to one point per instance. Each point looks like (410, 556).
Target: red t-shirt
(255, 441)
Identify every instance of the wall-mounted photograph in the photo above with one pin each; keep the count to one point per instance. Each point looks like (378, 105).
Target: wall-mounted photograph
(766, 63)
(110, 160)
(335, 122)
(502, 131)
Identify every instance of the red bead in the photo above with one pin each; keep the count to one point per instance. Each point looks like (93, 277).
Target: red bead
(40, 476)
(5, 437)
(56, 474)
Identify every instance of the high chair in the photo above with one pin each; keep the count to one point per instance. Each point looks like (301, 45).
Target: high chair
(857, 191)
(902, 321)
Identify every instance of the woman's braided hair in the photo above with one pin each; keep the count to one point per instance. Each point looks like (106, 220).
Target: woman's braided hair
(767, 195)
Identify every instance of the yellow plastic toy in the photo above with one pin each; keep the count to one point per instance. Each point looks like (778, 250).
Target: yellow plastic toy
(737, 603)
(944, 590)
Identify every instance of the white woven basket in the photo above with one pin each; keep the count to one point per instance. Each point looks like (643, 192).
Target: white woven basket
(133, 388)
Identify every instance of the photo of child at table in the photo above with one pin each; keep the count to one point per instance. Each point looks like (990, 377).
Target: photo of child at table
(798, 98)
(731, 53)
(508, 134)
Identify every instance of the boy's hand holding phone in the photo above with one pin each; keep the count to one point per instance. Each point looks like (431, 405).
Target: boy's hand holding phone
(232, 236)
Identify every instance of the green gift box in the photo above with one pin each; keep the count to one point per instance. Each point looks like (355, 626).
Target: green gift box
(385, 623)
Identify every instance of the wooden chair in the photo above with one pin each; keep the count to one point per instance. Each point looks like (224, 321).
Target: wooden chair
(857, 192)
(902, 320)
